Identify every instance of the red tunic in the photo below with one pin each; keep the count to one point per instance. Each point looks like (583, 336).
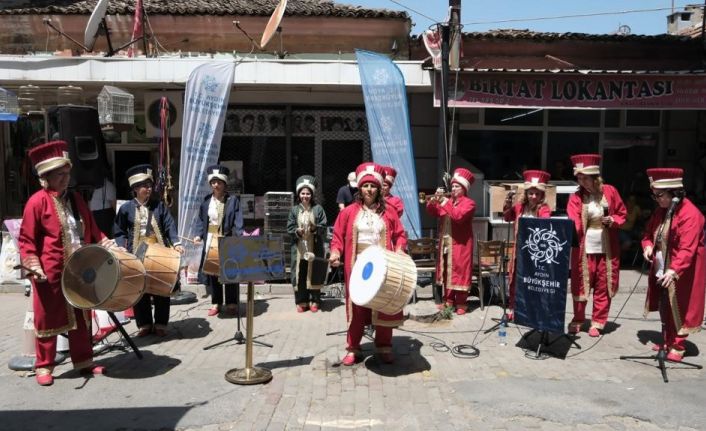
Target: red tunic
(41, 240)
(577, 212)
(345, 240)
(687, 257)
(513, 214)
(396, 203)
(456, 236)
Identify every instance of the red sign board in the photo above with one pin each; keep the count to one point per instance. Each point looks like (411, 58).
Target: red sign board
(504, 90)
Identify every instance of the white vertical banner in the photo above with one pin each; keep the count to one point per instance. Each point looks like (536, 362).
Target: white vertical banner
(205, 103)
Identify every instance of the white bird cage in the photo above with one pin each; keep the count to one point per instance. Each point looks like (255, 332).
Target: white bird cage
(69, 95)
(9, 107)
(116, 107)
(29, 98)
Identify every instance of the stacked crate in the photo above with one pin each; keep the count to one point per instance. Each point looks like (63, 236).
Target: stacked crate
(277, 206)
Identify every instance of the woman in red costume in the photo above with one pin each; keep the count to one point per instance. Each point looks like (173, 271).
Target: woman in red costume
(55, 223)
(365, 222)
(392, 201)
(674, 244)
(455, 227)
(597, 212)
(530, 205)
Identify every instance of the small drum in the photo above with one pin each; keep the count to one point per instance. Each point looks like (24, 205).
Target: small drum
(110, 280)
(382, 280)
(161, 268)
(211, 264)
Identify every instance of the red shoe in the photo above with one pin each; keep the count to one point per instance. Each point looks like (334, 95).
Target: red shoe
(314, 308)
(388, 357)
(144, 332)
(460, 311)
(103, 332)
(594, 332)
(675, 355)
(160, 332)
(349, 359)
(510, 316)
(301, 309)
(45, 379)
(656, 347)
(93, 370)
(213, 311)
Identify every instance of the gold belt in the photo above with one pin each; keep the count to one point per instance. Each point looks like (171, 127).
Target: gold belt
(149, 239)
(595, 224)
(359, 248)
(213, 228)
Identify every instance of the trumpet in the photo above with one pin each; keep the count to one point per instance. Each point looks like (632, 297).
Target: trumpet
(423, 198)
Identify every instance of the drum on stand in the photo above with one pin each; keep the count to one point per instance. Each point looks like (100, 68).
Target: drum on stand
(98, 278)
(211, 264)
(382, 280)
(161, 268)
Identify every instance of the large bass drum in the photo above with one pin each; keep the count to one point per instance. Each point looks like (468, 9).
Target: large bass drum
(102, 279)
(382, 280)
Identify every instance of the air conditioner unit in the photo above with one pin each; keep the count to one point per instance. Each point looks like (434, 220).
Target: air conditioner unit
(152, 115)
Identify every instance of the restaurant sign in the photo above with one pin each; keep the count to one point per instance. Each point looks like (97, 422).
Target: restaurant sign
(495, 90)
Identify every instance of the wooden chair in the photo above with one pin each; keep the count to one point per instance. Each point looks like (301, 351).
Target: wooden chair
(489, 263)
(423, 253)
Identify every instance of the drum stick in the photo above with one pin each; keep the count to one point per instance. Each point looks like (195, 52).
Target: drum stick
(31, 271)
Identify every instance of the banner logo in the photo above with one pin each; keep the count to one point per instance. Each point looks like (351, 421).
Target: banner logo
(543, 245)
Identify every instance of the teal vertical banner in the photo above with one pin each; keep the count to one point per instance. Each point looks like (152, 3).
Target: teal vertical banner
(390, 134)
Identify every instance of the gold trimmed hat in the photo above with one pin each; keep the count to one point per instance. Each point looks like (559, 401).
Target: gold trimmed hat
(307, 181)
(536, 179)
(587, 164)
(49, 156)
(218, 172)
(666, 178)
(139, 174)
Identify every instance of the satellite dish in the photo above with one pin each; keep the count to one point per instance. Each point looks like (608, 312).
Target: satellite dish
(94, 22)
(273, 23)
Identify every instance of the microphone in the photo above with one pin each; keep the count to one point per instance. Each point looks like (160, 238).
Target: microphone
(673, 206)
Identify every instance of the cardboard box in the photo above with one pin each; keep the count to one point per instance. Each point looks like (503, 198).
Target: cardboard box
(498, 193)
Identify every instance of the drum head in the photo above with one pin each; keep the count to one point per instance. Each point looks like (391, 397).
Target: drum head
(89, 276)
(368, 275)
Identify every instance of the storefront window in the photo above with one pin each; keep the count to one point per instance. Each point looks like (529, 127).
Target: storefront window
(612, 118)
(501, 155)
(574, 118)
(642, 118)
(514, 117)
(561, 145)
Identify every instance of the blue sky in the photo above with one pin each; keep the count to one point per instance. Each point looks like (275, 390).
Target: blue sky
(654, 22)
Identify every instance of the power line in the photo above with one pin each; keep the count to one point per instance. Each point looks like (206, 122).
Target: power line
(568, 16)
(415, 11)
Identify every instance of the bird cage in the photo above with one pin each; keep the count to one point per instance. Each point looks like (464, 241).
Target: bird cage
(29, 97)
(9, 107)
(116, 108)
(69, 95)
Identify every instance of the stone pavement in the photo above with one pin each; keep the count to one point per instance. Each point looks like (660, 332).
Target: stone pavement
(433, 385)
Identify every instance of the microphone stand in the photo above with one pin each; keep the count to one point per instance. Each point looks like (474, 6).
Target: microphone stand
(504, 259)
(661, 356)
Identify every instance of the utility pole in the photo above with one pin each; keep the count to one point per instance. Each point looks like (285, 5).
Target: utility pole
(447, 29)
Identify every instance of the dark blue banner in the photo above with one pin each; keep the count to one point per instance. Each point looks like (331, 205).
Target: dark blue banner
(541, 272)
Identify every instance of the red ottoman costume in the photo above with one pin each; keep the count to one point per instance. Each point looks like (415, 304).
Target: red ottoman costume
(46, 241)
(455, 247)
(391, 201)
(683, 236)
(512, 213)
(345, 243)
(594, 271)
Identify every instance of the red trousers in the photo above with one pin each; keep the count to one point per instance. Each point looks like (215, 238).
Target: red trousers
(456, 297)
(362, 316)
(80, 346)
(671, 339)
(597, 280)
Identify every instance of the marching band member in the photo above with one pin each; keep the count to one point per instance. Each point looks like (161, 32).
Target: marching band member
(365, 222)
(55, 223)
(392, 201)
(597, 212)
(145, 220)
(306, 224)
(678, 260)
(220, 215)
(455, 227)
(530, 205)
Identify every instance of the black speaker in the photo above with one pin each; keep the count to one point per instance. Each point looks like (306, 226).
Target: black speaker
(79, 127)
